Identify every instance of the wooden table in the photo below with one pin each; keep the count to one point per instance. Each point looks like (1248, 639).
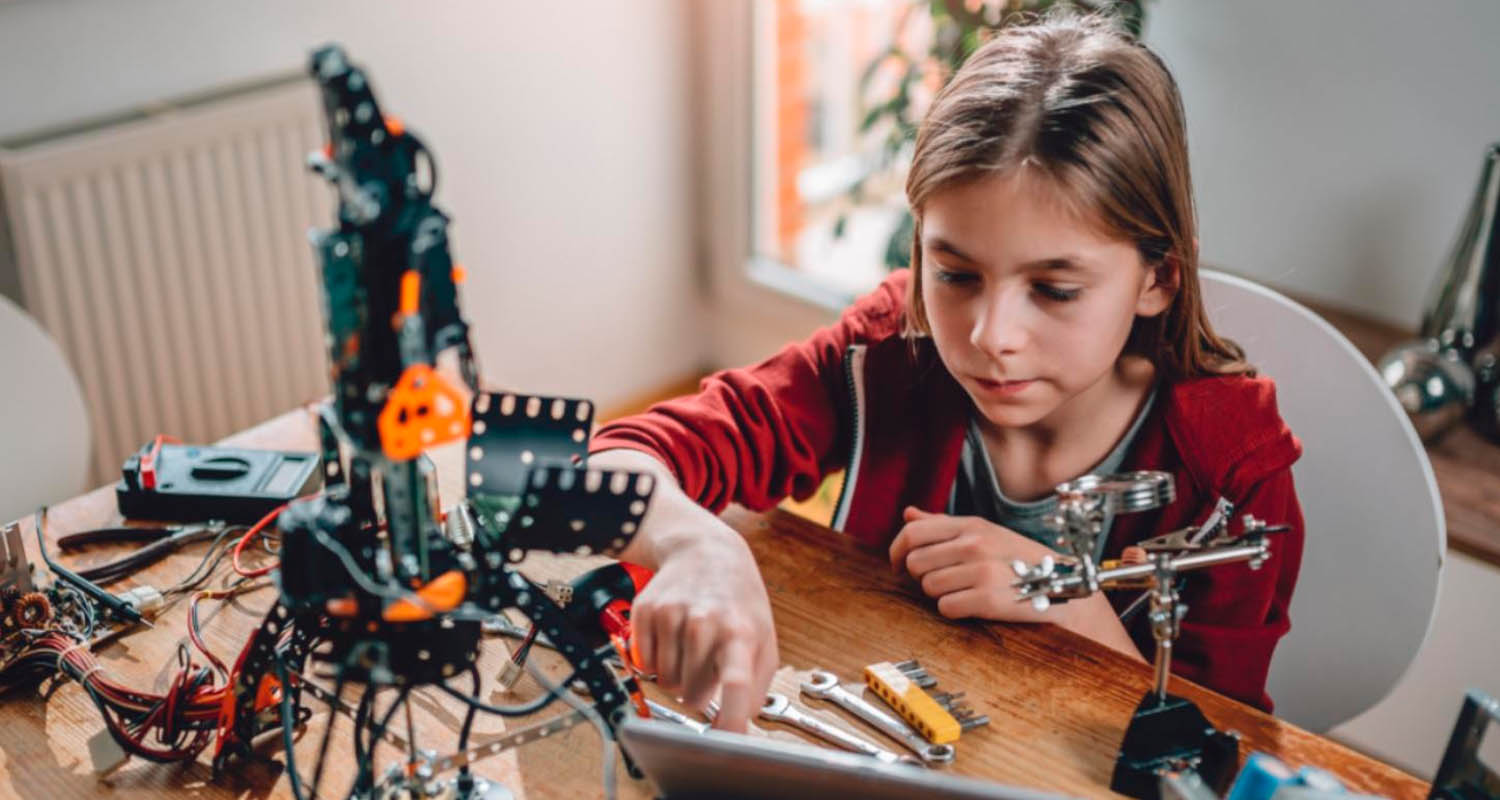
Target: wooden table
(1058, 703)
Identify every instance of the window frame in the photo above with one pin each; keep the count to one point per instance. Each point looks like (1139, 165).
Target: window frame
(757, 303)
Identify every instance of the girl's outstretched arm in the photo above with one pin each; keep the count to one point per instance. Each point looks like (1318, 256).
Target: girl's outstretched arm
(703, 624)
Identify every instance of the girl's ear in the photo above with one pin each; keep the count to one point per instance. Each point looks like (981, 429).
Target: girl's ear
(1162, 282)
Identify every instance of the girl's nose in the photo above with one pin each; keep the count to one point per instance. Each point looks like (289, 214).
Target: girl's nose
(999, 329)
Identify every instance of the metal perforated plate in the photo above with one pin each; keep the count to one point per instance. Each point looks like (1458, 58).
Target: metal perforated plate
(515, 433)
(582, 511)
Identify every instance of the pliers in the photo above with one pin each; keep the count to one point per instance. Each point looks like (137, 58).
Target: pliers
(160, 540)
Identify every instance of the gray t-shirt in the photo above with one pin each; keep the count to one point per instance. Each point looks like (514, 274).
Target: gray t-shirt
(976, 491)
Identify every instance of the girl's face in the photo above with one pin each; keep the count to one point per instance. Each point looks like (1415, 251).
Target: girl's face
(1029, 305)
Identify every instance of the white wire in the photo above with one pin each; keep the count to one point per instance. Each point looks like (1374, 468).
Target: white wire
(591, 715)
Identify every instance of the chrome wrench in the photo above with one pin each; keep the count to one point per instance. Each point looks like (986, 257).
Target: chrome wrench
(659, 710)
(825, 685)
(777, 707)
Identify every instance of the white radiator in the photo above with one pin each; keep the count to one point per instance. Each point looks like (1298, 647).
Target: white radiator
(168, 256)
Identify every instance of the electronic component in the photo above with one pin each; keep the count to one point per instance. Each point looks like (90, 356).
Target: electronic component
(120, 609)
(187, 483)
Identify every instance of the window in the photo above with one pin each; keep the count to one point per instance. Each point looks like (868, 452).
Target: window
(828, 197)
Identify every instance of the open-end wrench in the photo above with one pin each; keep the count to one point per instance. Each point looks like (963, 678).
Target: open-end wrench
(777, 707)
(825, 685)
(659, 710)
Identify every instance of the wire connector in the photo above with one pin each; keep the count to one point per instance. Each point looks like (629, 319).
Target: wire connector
(145, 599)
(510, 674)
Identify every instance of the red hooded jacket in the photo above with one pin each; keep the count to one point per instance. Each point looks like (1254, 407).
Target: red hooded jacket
(858, 394)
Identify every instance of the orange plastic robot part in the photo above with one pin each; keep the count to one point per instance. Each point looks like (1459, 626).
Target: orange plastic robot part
(268, 693)
(442, 593)
(423, 410)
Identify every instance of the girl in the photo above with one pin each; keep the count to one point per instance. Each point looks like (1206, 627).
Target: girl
(1050, 325)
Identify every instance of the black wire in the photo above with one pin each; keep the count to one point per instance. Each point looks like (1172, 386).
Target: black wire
(463, 734)
(367, 765)
(79, 600)
(287, 721)
(521, 710)
(361, 716)
(214, 552)
(338, 695)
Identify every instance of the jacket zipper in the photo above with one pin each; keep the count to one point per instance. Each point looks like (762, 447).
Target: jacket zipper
(854, 362)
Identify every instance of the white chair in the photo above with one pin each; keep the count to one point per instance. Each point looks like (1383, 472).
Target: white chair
(1376, 539)
(44, 430)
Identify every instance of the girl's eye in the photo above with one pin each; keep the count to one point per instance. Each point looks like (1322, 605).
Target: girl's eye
(954, 278)
(1051, 292)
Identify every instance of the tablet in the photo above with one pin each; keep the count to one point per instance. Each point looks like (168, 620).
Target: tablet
(684, 764)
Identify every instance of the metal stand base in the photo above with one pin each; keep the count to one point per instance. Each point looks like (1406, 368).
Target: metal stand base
(481, 789)
(1172, 734)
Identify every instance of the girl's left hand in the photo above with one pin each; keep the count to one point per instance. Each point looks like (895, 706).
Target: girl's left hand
(965, 563)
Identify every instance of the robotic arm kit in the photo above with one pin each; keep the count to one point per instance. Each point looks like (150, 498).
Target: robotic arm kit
(373, 579)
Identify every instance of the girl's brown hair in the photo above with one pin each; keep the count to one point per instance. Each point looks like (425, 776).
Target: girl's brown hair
(1099, 115)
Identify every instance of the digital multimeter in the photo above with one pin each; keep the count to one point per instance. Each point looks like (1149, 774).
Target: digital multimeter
(185, 483)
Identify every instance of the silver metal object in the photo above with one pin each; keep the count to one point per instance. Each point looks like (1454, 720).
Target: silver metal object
(1082, 507)
(1166, 621)
(659, 710)
(913, 670)
(970, 721)
(1216, 524)
(458, 525)
(15, 571)
(500, 744)
(777, 707)
(1461, 311)
(825, 686)
(1435, 386)
(1455, 364)
(1078, 526)
(1185, 785)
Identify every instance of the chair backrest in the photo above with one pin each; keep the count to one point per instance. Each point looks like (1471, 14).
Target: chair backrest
(1376, 538)
(44, 432)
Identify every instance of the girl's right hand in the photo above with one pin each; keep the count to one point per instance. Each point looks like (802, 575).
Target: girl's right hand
(703, 624)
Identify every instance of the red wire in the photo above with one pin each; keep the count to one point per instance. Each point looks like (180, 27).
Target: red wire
(251, 534)
(193, 630)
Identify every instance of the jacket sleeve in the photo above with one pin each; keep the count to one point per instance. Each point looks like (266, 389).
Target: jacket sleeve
(757, 434)
(1236, 615)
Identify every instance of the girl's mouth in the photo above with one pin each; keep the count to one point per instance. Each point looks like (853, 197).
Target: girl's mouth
(1002, 388)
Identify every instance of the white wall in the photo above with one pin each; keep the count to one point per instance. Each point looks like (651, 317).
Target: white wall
(1335, 144)
(1335, 148)
(1411, 726)
(561, 131)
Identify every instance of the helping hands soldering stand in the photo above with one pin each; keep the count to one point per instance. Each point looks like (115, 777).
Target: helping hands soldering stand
(400, 604)
(1166, 733)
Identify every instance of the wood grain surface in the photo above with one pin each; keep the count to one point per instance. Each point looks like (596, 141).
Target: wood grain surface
(1058, 703)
